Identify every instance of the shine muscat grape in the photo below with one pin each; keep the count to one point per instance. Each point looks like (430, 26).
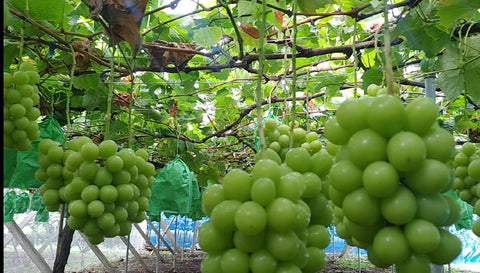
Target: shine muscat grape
(466, 163)
(20, 114)
(274, 218)
(388, 181)
(105, 190)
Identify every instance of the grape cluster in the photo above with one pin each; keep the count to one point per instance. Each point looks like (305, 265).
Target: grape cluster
(388, 180)
(272, 219)
(278, 137)
(466, 163)
(20, 114)
(105, 190)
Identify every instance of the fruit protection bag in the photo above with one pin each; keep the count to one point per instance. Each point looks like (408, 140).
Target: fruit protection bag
(175, 191)
(17, 204)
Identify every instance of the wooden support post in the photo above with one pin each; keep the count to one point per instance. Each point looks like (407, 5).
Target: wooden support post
(28, 247)
(108, 266)
(136, 254)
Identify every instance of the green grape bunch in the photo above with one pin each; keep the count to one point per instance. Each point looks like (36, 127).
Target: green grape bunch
(274, 218)
(466, 163)
(388, 181)
(105, 189)
(20, 114)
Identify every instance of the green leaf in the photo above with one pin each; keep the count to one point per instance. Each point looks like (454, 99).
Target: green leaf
(208, 37)
(41, 9)
(87, 81)
(472, 67)
(450, 11)
(451, 83)
(422, 36)
(246, 7)
(95, 98)
(370, 76)
(118, 129)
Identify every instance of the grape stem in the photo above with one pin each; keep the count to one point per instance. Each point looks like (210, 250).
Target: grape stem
(258, 91)
(294, 70)
(388, 51)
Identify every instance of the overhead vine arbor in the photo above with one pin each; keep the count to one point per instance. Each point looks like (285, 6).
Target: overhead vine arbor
(183, 80)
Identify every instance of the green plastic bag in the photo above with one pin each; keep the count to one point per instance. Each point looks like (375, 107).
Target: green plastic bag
(36, 203)
(20, 167)
(175, 191)
(22, 202)
(42, 215)
(9, 206)
(466, 212)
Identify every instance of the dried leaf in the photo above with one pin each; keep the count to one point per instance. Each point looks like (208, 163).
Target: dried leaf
(83, 61)
(250, 30)
(122, 99)
(172, 108)
(163, 53)
(278, 16)
(124, 18)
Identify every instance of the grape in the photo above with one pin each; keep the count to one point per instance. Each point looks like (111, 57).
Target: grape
(80, 177)
(467, 181)
(388, 189)
(19, 107)
(271, 213)
(20, 77)
(114, 163)
(89, 151)
(7, 80)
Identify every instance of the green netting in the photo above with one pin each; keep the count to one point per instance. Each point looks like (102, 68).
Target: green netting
(268, 115)
(19, 167)
(175, 191)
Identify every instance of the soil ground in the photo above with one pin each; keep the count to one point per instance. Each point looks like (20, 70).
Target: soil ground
(190, 262)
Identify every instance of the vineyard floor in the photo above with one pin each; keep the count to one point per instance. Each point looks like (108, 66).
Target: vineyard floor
(190, 263)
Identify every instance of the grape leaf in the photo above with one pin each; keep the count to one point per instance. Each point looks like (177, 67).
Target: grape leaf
(462, 72)
(450, 11)
(86, 81)
(95, 98)
(372, 76)
(472, 67)
(41, 9)
(451, 81)
(422, 36)
(208, 36)
(118, 129)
